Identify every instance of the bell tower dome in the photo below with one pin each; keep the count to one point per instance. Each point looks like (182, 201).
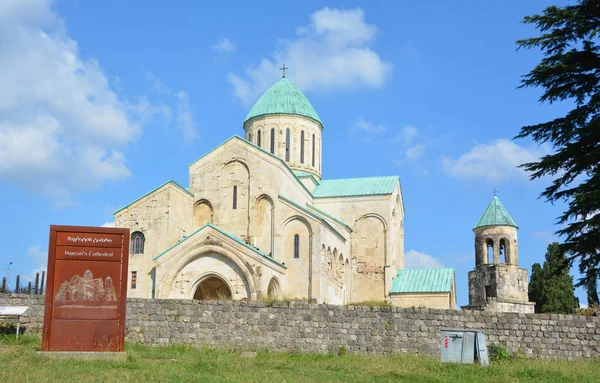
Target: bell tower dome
(284, 123)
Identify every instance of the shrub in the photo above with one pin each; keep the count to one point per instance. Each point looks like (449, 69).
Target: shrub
(498, 352)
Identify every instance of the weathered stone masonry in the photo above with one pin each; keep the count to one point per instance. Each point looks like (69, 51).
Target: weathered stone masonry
(320, 328)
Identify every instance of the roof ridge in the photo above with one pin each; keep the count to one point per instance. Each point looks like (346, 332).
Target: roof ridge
(153, 190)
(225, 233)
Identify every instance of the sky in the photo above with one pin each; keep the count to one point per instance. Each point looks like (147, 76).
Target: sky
(103, 101)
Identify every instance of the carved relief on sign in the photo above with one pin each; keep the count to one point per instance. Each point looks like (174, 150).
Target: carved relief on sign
(87, 291)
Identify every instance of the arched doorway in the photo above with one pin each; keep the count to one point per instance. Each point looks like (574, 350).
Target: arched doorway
(273, 291)
(212, 288)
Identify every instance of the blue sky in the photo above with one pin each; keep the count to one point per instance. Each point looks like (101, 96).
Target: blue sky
(103, 101)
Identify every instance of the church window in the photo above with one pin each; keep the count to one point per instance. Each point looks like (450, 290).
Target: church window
(302, 147)
(287, 145)
(503, 252)
(133, 279)
(490, 250)
(296, 246)
(250, 136)
(258, 138)
(313, 151)
(137, 243)
(272, 140)
(234, 197)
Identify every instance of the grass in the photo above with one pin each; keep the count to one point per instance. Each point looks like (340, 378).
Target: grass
(186, 364)
(371, 304)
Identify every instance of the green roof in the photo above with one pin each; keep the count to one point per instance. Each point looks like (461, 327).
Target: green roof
(495, 215)
(422, 281)
(349, 187)
(225, 234)
(187, 190)
(314, 214)
(283, 98)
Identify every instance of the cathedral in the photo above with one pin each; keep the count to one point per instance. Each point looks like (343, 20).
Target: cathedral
(258, 221)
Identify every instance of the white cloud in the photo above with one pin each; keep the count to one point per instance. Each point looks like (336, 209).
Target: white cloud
(109, 224)
(332, 52)
(62, 126)
(364, 130)
(407, 134)
(185, 119)
(415, 152)
(416, 260)
(224, 46)
(40, 259)
(494, 162)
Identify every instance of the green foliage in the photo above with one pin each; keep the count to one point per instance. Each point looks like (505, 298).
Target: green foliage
(371, 303)
(551, 287)
(498, 352)
(342, 351)
(570, 71)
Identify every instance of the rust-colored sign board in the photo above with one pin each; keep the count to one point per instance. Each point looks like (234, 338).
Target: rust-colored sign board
(87, 289)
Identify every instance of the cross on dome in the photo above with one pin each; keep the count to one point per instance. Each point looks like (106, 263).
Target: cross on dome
(283, 68)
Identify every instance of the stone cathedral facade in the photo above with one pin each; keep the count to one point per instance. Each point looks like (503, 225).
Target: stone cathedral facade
(258, 220)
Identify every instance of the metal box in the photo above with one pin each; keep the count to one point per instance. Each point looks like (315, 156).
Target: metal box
(463, 346)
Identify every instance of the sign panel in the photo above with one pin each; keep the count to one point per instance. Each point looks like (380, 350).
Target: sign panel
(13, 310)
(86, 291)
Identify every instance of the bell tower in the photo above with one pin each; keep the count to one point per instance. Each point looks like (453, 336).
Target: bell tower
(497, 283)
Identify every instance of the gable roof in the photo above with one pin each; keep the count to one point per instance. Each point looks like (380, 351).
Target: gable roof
(262, 150)
(186, 190)
(313, 214)
(495, 215)
(233, 237)
(349, 187)
(422, 281)
(283, 97)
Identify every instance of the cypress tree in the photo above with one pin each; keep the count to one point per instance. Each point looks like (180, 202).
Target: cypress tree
(551, 287)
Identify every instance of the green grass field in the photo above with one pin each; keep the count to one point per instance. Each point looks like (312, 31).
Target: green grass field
(19, 363)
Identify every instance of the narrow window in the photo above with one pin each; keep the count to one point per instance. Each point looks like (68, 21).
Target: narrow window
(133, 279)
(490, 250)
(258, 139)
(287, 145)
(273, 141)
(302, 147)
(313, 151)
(296, 246)
(235, 197)
(250, 137)
(137, 243)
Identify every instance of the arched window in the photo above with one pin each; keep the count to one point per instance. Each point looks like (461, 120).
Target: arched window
(341, 259)
(234, 197)
(490, 250)
(302, 147)
(503, 252)
(287, 145)
(258, 136)
(296, 246)
(250, 137)
(137, 243)
(313, 151)
(272, 140)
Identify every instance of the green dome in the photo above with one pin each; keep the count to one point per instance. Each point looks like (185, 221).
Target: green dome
(283, 98)
(495, 215)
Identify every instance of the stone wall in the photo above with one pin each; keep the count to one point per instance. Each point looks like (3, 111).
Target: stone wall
(303, 327)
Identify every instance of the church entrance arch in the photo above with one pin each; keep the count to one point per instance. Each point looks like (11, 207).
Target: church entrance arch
(212, 287)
